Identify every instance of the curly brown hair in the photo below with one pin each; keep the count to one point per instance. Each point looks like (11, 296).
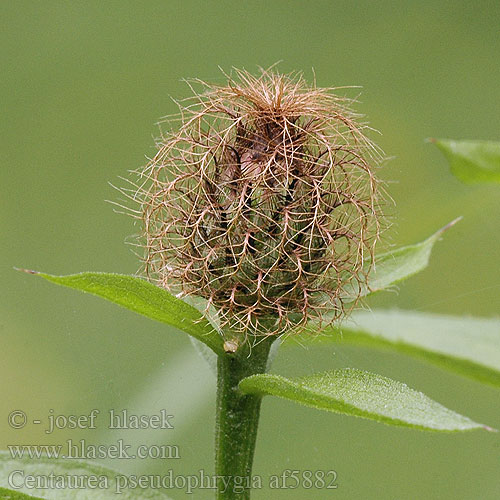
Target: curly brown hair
(263, 201)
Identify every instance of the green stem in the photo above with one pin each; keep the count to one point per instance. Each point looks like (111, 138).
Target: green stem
(237, 419)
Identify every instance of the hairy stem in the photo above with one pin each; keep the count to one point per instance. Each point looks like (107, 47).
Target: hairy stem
(237, 420)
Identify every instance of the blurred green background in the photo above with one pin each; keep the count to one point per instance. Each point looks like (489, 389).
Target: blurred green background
(83, 84)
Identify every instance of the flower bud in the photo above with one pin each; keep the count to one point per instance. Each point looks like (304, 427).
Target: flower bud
(263, 201)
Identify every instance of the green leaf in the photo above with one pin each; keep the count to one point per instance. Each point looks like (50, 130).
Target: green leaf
(106, 481)
(144, 298)
(467, 346)
(6, 494)
(395, 266)
(362, 394)
(472, 161)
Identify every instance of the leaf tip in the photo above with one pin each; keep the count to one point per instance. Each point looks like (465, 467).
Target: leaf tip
(27, 271)
(450, 224)
(489, 429)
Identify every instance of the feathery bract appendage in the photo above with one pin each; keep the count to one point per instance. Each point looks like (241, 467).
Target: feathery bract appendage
(263, 201)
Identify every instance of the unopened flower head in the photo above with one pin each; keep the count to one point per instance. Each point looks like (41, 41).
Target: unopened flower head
(262, 200)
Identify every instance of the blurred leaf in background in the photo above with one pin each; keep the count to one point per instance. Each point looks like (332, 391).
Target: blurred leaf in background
(472, 161)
